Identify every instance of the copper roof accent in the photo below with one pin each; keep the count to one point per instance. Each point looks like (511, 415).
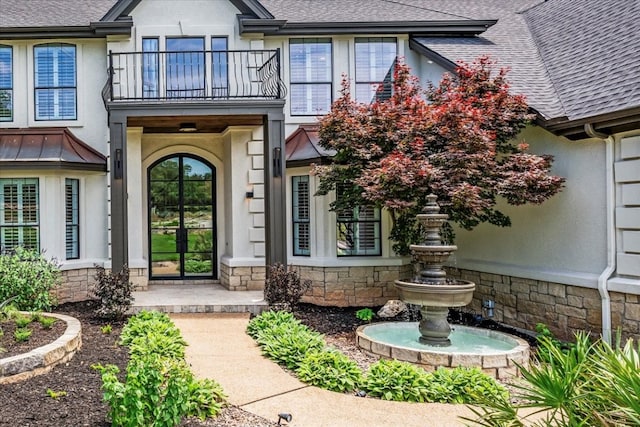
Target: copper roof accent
(303, 147)
(47, 148)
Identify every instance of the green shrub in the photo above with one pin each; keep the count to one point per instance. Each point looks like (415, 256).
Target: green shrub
(587, 384)
(270, 320)
(21, 320)
(22, 334)
(47, 322)
(330, 370)
(283, 287)
(28, 277)
(463, 385)
(158, 389)
(288, 344)
(395, 380)
(113, 291)
(365, 314)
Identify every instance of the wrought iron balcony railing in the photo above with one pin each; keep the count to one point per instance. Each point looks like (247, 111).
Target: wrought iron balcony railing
(178, 76)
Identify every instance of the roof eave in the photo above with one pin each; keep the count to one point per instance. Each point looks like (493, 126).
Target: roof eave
(432, 55)
(93, 30)
(432, 28)
(52, 165)
(609, 123)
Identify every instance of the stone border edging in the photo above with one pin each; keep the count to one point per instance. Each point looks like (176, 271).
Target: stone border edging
(501, 365)
(40, 360)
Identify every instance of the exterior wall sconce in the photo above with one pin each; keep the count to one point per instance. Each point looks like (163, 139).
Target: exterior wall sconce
(249, 194)
(117, 164)
(187, 127)
(277, 163)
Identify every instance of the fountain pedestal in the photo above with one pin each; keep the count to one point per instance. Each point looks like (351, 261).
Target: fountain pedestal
(430, 289)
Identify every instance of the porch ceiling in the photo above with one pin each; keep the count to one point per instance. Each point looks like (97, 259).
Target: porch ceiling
(203, 124)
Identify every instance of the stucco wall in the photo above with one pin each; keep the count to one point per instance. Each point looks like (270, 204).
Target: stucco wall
(562, 240)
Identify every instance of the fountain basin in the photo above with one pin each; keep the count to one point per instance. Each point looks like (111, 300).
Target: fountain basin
(496, 353)
(436, 295)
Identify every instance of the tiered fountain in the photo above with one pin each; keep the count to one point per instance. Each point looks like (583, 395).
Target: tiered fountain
(432, 342)
(431, 289)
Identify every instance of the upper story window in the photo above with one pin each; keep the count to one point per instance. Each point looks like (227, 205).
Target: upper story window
(6, 83)
(375, 58)
(185, 67)
(310, 74)
(301, 215)
(55, 81)
(19, 213)
(150, 59)
(220, 66)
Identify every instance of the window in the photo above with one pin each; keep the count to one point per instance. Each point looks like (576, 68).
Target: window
(55, 81)
(71, 214)
(19, 217)
(220, 67)
(150, 77)
(375, 59)
(301, 219)
(6, 83)
(185, 67)
(310, 69)
(358, 231)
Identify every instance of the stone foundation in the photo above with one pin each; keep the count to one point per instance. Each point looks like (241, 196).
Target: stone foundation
(565, 309)
(242, 278)
(78, 284)
(353, 286)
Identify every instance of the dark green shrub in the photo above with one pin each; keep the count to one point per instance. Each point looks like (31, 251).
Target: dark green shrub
(399, 381)
(463, 385)
(283, 287)
(113, 291)
(28, 277)
(288, 344)
(330, 370)
(268, 320)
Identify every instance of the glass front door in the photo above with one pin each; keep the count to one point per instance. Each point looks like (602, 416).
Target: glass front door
(182, 230)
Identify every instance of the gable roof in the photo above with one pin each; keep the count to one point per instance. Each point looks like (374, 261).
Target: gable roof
(575, 60)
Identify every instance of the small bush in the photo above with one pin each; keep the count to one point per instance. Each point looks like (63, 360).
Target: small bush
(159, 388)
(283, 287)
(22, 334)
(113, 291)
(269, 320)
(399, 381)
(197, 266)
(288, 344)
(22, 321)
(330, 370)
(47, 322)
(365, 314)
(28, 277)
(463, 385)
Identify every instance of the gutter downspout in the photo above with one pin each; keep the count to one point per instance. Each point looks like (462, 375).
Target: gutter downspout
(610, 198)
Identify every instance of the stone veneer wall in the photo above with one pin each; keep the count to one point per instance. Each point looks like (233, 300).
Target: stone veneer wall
(353, 286)
(242, 278)
(77, 284)
(565, 309)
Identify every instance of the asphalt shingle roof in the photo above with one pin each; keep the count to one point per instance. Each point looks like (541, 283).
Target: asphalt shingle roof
(52, 13)
(591, 52)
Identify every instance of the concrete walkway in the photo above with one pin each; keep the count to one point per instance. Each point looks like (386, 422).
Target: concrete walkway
(220, 349)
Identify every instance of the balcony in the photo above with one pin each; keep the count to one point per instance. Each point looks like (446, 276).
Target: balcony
(193, 76)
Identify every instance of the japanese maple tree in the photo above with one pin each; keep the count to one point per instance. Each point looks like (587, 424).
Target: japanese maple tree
(456, 140)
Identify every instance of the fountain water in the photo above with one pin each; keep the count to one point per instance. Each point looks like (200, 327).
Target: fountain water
(431, 342)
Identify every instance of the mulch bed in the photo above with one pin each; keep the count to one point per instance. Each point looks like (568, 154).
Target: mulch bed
(39, 337)
(27, 403)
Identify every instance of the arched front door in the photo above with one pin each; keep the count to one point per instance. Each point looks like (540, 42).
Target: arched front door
(182, 223)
